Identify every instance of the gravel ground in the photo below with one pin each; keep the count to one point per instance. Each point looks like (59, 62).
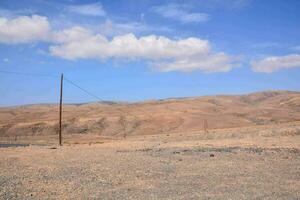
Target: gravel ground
(150, 168)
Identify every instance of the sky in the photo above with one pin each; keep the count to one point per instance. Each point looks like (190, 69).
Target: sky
(126, 50)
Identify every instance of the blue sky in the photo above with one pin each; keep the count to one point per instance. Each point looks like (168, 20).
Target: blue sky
(127, 50)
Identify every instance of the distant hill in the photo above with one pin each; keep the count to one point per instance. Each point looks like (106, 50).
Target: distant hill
(154, 117)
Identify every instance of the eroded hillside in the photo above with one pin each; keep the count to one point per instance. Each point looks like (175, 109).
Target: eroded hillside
(153, 117)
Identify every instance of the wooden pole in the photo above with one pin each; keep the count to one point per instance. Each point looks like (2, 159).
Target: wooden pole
(60, 108)
(205, 126)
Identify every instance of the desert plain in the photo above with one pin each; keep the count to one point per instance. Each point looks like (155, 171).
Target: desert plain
(213, 147)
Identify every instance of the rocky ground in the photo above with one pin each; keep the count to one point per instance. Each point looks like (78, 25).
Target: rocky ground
(259, 162)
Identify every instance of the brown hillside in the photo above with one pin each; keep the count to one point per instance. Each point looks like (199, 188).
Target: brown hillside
(154, 117)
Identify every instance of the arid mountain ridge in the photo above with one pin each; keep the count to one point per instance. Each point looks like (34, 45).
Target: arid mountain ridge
(155, 116)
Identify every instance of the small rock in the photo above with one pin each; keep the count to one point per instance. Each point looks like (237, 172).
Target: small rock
(211, 155)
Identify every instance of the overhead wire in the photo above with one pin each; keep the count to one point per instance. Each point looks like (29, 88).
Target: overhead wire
(98, 98)
(82, 89)
(70, 82)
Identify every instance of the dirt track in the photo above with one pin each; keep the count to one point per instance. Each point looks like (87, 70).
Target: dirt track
(177, 166)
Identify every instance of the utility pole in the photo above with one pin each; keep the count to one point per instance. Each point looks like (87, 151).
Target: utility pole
(122, 121)
(205, 126)
(60, 108)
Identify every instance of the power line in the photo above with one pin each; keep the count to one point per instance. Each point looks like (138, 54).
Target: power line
(56, 76)
(48, 75)
(69, 81)
(28, 74)
(95, 96)
(91, 94)
(82, 89)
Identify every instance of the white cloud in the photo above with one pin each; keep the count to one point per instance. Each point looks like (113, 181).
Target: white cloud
(128, 46)
(23, 29)
(219, 62)
(180, 13)
(165, 54)
(75, 33)
(274, 63)
(94, 9)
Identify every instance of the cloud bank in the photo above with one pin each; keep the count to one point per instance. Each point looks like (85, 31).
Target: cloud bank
(164, 54)
(275, 63)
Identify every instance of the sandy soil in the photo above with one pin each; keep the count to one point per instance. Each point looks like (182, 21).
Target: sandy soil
(260, 162)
